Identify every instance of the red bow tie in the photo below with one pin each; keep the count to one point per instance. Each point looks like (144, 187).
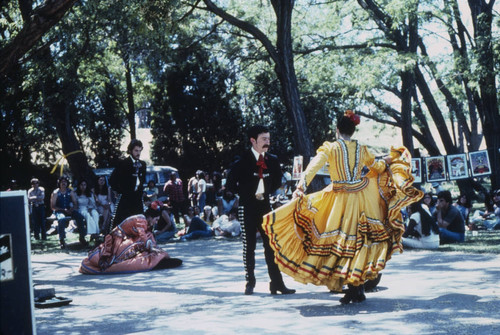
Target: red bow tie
(262, 165)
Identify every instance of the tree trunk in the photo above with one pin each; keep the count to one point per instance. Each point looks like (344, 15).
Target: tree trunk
(282, 56)
(435, 112)
(407, 86)
(285, 71)
(428, 142)
(39, 22)
(487, 102)
(71, 148)
(58, 99)
(130, 100)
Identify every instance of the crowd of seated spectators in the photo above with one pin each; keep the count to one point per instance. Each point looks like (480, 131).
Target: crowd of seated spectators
(204, 208)
(448, 220)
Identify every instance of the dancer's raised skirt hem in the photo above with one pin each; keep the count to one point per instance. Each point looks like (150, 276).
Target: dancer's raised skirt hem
(343, 235)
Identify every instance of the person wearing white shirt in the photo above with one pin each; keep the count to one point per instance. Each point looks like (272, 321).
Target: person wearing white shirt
(36, 197)
(227, 225)
(422, 231)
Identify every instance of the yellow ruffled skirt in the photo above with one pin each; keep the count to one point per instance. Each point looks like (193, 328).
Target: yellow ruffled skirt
(340, 236)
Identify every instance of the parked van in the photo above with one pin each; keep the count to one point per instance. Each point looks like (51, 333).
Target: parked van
(160, 174)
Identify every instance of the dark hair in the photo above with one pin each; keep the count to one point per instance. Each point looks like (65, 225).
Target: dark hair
(433, 200)
(428, 222)
(488, 200)
(227, 194)
(255, 131)
(134, 143)
(87, 189)
(104, 189)
(152, 213)
(468, 203)
(446, 195)
(60, 179)
(210, 217)
(345, 125)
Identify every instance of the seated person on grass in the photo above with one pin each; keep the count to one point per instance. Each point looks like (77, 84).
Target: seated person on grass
(450, 221)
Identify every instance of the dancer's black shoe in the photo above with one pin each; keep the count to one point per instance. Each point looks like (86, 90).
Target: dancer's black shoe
(360, 294)
(168, 263)
(353, 294)
(249, 287)
(371, 285)
(275, 288)
(83, 242)
(349, 295)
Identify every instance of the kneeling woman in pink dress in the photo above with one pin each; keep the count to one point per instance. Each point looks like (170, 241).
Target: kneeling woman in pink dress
(130, 247)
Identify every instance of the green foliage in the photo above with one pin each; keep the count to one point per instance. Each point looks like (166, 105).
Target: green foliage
(10, 21)
(263, 105)
(25, 133)
(207, 81)
(102, 126)
(195, 122)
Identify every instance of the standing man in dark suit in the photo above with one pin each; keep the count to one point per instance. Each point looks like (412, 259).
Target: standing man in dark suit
(127, 180)
(254, 177)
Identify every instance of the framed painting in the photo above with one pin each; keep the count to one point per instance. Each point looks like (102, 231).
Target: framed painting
(435, 168)
(297, 167)
(457, 166)
(416, 169)
(479, 163)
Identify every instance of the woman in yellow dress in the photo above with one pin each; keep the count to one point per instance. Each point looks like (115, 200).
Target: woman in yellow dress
(345, 233)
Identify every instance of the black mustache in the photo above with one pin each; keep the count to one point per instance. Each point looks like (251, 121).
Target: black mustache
(265, 146)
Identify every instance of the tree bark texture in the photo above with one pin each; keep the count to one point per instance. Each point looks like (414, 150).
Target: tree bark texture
(282, 56)
(130, 100)
(408, 81)
(285, 70)
(60, 110)
(487, 102)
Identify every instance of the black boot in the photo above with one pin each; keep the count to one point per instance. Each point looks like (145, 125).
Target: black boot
(360, 294)
(249, 287)
(83, 242)
(349, 295)
(275, 288)
(371, 285)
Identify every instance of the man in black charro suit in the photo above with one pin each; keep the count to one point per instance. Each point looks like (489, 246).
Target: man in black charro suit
(127, 179)
(254, 177)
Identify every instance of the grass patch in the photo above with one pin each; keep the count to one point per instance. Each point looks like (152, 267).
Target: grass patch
(486, 242)
(51, 245)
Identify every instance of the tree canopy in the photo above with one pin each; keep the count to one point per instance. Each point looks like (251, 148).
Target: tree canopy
(75, 75)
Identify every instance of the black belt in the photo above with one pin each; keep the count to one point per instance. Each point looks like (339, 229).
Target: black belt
(38, 205)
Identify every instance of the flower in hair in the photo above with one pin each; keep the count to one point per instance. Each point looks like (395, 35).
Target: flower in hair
(353, 117)
(156, 205)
